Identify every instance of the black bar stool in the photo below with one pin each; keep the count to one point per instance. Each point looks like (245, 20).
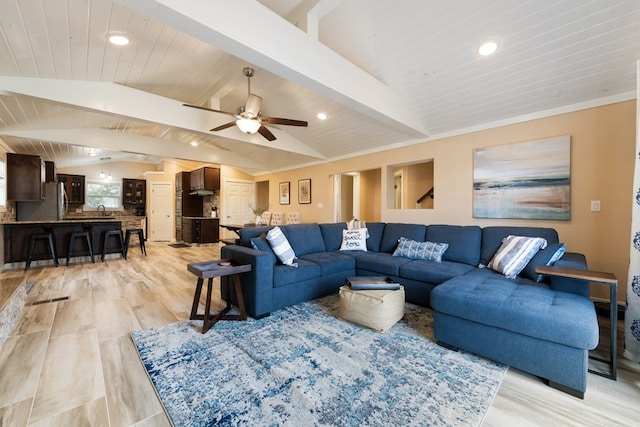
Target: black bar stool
(118, 235)
(80, 235)
(32, 244)
(127, 240)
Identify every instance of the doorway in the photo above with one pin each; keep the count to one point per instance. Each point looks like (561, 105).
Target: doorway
(238, 195)
(347, 196)
(161, 220)
(397, 190)
(357, 194)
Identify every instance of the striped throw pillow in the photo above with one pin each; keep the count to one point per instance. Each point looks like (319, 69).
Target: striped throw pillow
(281, 247)
(515, 253)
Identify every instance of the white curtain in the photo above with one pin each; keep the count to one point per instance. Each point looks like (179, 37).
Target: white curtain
(632, 313)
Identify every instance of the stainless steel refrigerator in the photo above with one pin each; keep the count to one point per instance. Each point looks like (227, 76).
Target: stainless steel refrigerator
(53, 207)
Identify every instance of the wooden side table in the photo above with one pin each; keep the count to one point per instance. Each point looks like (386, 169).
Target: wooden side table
(209, 270)
(605, 279)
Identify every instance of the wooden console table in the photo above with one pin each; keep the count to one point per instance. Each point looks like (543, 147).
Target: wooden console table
(605, 279)
(208, 270)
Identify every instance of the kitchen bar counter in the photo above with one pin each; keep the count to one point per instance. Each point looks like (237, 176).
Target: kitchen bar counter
(62, 221)
(17, 235)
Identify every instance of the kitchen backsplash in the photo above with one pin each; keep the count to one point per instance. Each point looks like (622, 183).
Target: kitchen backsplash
(128, 211)
(10, 214)
(209, 202)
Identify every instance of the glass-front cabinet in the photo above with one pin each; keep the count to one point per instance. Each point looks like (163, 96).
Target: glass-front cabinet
(74, 187)
(134, 192)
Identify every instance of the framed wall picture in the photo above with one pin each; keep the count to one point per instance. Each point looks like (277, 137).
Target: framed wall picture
(526, 180)
(304, 191)
(284, 193)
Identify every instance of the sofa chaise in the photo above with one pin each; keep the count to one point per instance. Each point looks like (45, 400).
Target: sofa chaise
(544, 326)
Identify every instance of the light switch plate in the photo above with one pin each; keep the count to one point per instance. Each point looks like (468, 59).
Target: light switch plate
(595, 206)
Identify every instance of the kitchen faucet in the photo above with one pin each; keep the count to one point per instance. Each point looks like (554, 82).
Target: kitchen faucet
(104, 210)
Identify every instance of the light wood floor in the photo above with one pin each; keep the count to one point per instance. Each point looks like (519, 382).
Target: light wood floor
(72, 362)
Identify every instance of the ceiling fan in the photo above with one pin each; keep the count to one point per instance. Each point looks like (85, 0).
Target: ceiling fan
(248, 117)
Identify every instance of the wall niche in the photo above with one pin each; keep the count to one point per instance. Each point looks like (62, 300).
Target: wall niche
(411, 185)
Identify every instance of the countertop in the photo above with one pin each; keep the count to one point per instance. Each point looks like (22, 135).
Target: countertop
(76, 220)
(198, 217)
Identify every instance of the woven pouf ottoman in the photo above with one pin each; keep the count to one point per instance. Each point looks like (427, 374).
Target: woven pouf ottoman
(375, 309)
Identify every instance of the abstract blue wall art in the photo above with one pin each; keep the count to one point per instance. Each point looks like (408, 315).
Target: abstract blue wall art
(527, 180)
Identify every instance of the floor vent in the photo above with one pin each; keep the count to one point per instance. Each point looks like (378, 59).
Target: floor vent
(47, 301)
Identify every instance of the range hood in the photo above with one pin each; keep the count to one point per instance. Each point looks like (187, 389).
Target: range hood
(202, 193)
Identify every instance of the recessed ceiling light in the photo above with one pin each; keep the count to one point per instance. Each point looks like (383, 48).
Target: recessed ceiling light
(119, 39)
(194, 143)
(488, 48)
(322, 116)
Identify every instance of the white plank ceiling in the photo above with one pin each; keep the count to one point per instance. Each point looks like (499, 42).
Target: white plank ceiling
(386, 73)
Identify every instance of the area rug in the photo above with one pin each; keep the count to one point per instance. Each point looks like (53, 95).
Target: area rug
(302, 366)
(179, 245)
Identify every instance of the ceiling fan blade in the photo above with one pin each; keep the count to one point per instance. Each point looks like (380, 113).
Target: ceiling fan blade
(254, 104)
(209, 109)
(266, 133)
(280, 121)
(224, 126)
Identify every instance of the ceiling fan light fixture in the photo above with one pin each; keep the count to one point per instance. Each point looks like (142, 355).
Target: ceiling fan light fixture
(248, 126)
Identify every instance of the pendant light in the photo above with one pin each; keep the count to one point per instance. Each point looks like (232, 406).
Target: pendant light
(102, 174)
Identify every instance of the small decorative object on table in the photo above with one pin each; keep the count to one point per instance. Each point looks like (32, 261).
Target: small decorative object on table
(258, 211)
(372, 282)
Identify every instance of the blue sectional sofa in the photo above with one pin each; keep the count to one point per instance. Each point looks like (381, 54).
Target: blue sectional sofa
(545, 328)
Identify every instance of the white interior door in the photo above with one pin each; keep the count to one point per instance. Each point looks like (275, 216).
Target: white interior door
(161, 220)
(237, 196)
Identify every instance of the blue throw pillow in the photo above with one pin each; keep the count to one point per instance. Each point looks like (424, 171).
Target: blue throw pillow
(261, 244)
(515, 253)
(547, 256)
(281, 247)
(429, 251)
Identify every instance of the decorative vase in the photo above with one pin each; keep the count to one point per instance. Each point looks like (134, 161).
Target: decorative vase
(258, 219)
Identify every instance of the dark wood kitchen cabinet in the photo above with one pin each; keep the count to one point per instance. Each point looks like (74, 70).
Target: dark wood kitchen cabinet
(186, 205)
(201, 230)
(25, 177)
(134, 192)
(205, 179)
(51, 172)
(74, 187)
(183, 181)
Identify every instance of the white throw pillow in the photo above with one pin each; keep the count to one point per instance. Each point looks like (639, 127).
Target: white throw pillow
(515, 253)
(281, 247)
(354, 240)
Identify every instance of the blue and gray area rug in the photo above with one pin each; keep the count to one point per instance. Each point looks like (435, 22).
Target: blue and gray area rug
(302, 366)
